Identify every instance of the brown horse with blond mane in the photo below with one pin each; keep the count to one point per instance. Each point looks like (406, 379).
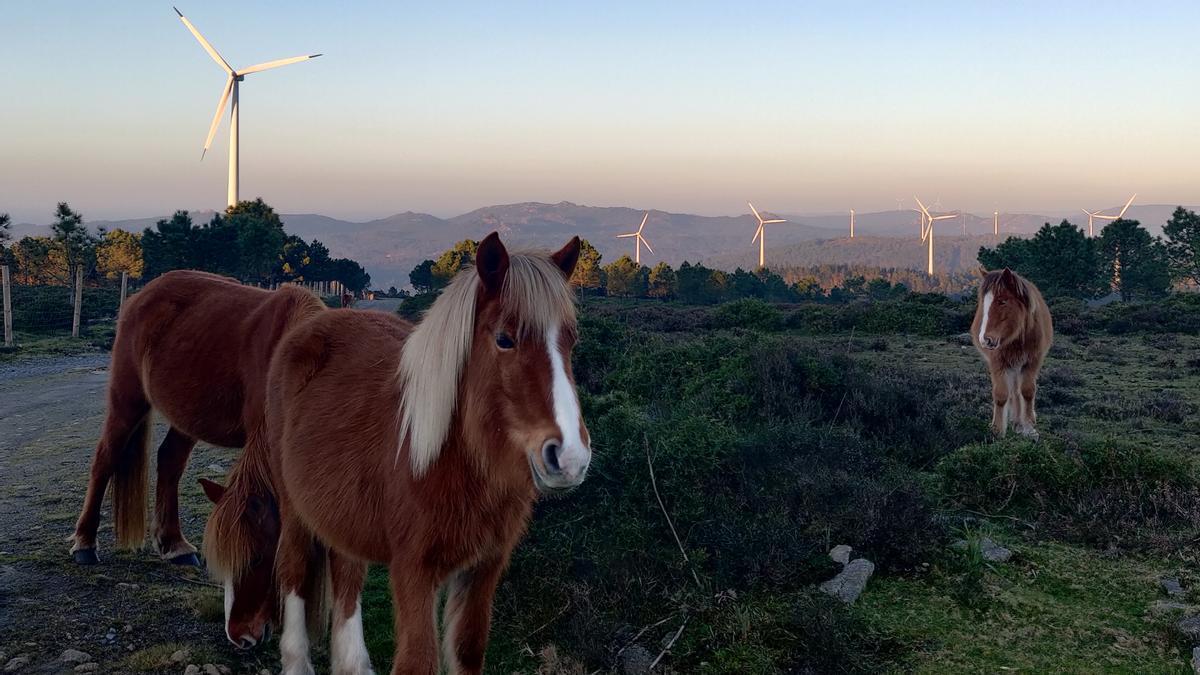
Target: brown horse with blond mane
(195, 347)
(422, 447)
(1012, 331)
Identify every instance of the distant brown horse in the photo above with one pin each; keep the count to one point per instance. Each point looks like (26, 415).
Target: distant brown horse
(195, 347)
(1012, 331)
(423, 448)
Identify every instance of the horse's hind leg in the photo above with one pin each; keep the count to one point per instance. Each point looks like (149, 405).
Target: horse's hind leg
(168, 536)
(347, 648)
(121, 448)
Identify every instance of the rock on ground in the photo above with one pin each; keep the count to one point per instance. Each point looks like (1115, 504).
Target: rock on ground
(192, 669)
(840, 553)
(89, 667)
(851, 581)
(74, 656)
(1196, 660)
(1189, 627)
(1171, 586)
(16, 663)
(636, 660)
(989, 549)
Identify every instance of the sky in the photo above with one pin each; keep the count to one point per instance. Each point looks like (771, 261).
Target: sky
(802, 107)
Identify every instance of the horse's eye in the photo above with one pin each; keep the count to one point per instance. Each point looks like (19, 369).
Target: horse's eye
(503, 341)
(1003, 302)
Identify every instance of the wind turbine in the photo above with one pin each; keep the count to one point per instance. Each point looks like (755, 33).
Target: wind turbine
(760, 235)
(927, 221)
(230, 93)
(851, 223)
(996, 222)
(638, 240)
(1100, 216)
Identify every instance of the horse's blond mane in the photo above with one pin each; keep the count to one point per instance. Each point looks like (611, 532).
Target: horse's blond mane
(229, 536)
(535, 293)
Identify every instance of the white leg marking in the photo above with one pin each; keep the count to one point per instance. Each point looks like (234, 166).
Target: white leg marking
(575, 455)
(293, 644)
(228, 607)
(987, 307)
(347, 647)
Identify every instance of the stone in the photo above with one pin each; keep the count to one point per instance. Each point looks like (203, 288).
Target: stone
(216, 468)
(74, 656)
(16, 663)
(1172, 587)
(89, 667)
(1165, 607)
(963, 339)
(1196, 660)
(179, 656)
(1189, 627)
(636, 660)
(192, 669)
(851, 581)
(993, 552)
(210, 669)
(225, 670)
(840, 553)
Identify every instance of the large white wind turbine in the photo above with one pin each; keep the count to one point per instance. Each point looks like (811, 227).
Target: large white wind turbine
(638, 240)
(1099, 216)
(851, 223)
(230, 93)
(760, 235)
(927, 221)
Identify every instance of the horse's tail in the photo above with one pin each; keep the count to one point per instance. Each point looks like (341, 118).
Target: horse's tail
(320, 607)
(130, 483)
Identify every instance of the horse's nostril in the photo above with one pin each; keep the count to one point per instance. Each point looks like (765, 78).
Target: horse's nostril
(550, 456)
(246, 642)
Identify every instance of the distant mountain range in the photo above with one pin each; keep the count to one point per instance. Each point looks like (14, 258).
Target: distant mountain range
(390, 247)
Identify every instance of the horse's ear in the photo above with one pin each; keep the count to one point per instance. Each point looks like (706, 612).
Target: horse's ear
(213, 490)
(567, 256)
(491, 262)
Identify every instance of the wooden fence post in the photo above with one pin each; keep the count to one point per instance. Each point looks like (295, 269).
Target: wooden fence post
(4, 280)
(78, 300)
(124, 288)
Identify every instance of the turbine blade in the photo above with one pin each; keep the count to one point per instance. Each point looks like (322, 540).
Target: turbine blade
(755, 211)
(1126, 207)
(631, 234)
(643, 225)
(645, 242)
(275, 64)
(777, 220)
(756, 234)
(204, 43)
(212, 130)
(922, 205)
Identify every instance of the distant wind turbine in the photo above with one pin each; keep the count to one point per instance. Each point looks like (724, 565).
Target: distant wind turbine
(638, 240)
(230, 93)
(927, 221)
(996, 222)
(1099, 216)
(760, 235)
(851, 223)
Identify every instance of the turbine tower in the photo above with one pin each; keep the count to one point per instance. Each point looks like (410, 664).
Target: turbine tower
(230, 94)
(927, 221)
(1097, 215)
(638, 240)
(996, 223)
(851, 223)
(760, 235)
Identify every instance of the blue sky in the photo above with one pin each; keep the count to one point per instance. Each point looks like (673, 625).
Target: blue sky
(803, 107)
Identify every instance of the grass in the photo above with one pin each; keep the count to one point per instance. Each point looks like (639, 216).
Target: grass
(94, 338)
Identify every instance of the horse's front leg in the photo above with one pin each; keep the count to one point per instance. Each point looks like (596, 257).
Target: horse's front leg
(468, 615)
(173, 456)
(1000, 396)
(413, 589)
(297, 567)
(1028, 388)
(347, 648)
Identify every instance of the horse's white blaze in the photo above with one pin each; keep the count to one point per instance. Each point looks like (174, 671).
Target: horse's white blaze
(228, 607)
(987, 307)
(347, 646)
(575, 455)
(293, 644)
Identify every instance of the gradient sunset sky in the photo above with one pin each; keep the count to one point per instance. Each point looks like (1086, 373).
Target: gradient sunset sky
(694, 107)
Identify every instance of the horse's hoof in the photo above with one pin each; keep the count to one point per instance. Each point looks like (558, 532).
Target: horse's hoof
(189, 559)
(85, 556)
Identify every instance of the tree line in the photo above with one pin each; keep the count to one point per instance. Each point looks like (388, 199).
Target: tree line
(693, 283)
(1125, 258)
(247, 241)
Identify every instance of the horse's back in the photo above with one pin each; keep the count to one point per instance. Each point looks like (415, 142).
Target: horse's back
(200, 344)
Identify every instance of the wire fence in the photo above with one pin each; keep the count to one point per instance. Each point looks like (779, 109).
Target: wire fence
(46, 310)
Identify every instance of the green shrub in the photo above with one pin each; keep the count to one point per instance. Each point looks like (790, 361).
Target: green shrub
(748, 313)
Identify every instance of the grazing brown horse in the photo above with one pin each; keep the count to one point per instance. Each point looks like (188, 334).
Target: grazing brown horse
(422, 447)
(1012, 331)
(195, 347)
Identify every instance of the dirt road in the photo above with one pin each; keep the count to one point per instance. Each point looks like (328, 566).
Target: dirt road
(133, 612)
